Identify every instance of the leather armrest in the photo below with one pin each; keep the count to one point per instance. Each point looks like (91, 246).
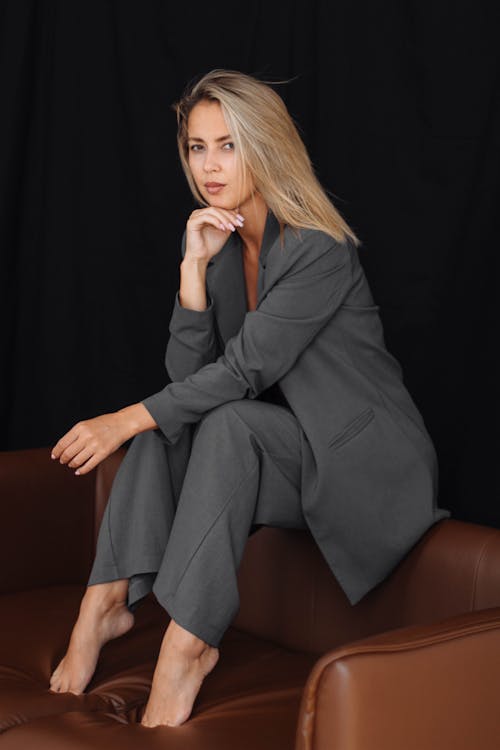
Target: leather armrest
(434, 686)
(47, 525)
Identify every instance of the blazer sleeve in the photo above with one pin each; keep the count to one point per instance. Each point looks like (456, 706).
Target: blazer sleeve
(192, 341)
(268, 343)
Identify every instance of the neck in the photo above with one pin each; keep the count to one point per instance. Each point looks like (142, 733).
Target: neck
(255, 213)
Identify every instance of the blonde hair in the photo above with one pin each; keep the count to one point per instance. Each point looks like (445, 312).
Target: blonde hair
(270, 147)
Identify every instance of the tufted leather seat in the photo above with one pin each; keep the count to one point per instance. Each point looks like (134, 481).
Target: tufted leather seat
(414, 665)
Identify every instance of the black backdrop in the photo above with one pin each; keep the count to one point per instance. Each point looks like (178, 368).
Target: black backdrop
(398, 104)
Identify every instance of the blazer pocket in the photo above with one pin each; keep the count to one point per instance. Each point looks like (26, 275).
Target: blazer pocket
(371, 308)
(352, 428)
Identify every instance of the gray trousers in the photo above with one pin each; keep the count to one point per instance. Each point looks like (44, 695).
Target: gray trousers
(178, 516)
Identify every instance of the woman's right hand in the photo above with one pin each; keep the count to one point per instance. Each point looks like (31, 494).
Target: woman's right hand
(207, 230)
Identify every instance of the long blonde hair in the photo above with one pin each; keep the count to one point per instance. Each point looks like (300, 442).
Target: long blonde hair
(270, 147)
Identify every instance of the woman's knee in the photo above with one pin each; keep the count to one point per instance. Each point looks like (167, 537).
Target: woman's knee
(146, 441)
(227, 416)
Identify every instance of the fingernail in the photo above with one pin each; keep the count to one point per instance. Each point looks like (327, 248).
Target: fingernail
(240, 217)
(222, 226)
(77, 471)
(239, 223)
(52, 455)
(231, 227)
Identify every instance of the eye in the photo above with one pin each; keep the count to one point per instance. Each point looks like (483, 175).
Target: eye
(230, 146)
(196, 147)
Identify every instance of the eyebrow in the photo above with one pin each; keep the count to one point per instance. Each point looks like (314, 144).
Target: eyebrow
(217, 140)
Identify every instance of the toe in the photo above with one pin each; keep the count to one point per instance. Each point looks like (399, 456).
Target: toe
(58, 669)
(53, 680)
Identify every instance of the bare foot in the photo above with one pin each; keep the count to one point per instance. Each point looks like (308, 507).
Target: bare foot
(183, 663)
(103, 616)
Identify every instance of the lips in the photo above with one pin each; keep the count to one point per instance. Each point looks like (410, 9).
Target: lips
(214, 187)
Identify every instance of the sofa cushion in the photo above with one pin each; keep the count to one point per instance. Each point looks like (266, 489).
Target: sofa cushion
(250, 699)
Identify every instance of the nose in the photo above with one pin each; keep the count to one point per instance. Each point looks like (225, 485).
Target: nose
(210, 164)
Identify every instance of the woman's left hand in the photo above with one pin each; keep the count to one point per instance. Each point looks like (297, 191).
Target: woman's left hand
(90, 441)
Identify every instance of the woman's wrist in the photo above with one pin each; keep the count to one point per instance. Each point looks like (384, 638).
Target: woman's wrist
(191, 264)
(192, 284)
(135, 419)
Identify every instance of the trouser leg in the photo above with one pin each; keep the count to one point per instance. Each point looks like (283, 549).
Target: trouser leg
(244, 469)
(139, 513)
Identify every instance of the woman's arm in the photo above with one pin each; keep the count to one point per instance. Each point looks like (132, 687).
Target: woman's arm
(90, 441)
(270, 340)
(191, 345)
(192, 342)
(192, 294)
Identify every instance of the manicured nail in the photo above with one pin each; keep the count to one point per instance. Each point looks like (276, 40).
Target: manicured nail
(222, 226)
(77, 471)
(239, 223)
(240, 217)
(52, 455)
(231, 227)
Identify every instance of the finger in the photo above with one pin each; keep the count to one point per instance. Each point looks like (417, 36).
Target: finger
(66, 440)
(80, 457)
(71, 451)
(90, 464)
(231, 219)
(211, 218)
(233, 216)
(227, 219)
(217, 210)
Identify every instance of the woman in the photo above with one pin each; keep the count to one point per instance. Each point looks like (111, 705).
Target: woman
(285, 408)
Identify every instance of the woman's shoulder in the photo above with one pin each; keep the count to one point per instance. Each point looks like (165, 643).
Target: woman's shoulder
(309, 244)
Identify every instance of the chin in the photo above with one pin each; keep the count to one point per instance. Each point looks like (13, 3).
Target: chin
(221, 203)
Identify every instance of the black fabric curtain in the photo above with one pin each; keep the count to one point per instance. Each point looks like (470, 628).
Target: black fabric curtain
(398, 103)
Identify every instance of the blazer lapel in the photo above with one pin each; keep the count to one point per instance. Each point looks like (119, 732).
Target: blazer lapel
(226, 279)
(270, 238)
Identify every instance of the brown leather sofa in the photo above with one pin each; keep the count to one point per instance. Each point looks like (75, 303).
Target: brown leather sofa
(415, 665)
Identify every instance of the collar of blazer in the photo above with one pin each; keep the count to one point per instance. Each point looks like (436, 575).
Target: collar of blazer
(226, 279)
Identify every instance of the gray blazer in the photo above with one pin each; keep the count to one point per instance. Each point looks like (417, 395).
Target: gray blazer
(370, 471)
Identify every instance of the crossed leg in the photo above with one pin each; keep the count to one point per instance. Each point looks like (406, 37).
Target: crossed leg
(244, 469)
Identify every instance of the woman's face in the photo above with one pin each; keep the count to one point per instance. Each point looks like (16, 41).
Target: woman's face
(214, 163)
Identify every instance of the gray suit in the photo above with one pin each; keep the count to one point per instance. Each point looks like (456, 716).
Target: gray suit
(340, 448)
(369, 472)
